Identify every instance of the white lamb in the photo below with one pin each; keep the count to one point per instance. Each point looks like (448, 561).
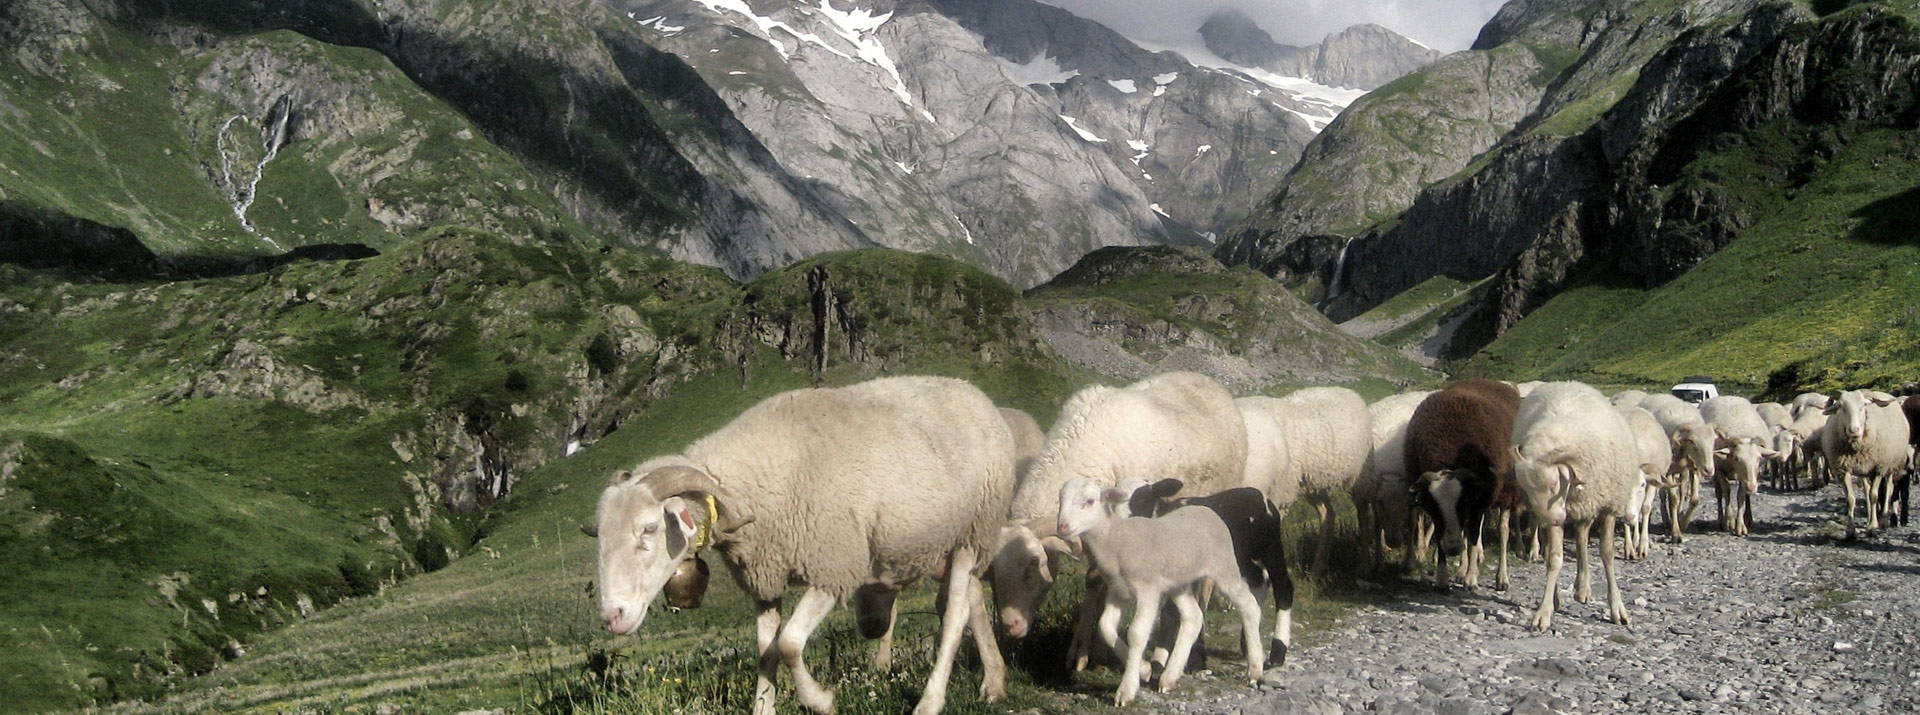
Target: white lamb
(1575, 461)
(1866, 439)
(1175, 423)
(1744, 441)
(1329, 437)
(1146, 559)
(856, 489)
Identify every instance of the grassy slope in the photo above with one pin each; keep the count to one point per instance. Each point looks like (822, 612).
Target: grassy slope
(111, 139)
(152, 505)
(1820, 294)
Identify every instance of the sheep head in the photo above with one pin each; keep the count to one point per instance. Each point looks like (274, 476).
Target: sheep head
(647, 528)
(1025, 563)
(1439, 492)
(1742, 456)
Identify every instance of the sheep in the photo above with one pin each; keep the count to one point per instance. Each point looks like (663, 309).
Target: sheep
(1692, 441)
(1027, 440)
(1329, 436)
(1911, 407)
(1380, 496)
(1655, 450)
(1145, 560)
(1658, 401)
(1457, 444)
(1808, 451)
(1259, 545)
(1174, 423)
(1629, 398)
(1807, 402)
(853, 491)
(1866, 437)
(1743, 441)
(1777, 417)
(1574, 460)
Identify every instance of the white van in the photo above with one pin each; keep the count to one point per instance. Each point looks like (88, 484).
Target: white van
(1696, 389)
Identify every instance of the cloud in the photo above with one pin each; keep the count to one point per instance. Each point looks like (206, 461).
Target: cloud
(1445, 25)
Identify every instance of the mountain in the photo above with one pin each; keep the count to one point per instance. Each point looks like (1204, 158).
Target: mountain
(1672, 134)
(982, 128)
(1363, 56)
(225, 131)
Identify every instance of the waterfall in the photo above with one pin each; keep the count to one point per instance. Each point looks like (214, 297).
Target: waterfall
(1338, 281)
(274, 138)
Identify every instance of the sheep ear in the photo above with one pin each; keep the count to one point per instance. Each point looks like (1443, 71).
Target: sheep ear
(1165, 488)
(1881, 398)
(621, 477)
(592, 530)
(1723, 452)
(1056, 547)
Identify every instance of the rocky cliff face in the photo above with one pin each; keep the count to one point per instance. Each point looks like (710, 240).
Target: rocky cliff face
(1664, 172)
(1488, 127)
(1004, 132)
(1362, 57)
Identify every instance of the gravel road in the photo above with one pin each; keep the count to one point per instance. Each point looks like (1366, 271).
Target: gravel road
(1789, 620)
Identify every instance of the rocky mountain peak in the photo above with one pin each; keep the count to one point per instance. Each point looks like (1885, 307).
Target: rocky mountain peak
(1364, 56)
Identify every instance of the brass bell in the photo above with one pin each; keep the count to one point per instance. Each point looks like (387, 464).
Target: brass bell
(688, 584)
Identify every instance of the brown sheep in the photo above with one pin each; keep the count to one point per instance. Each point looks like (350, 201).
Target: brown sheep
(1458, 444)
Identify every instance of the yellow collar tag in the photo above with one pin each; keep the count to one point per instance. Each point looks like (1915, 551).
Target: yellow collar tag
(704, 534)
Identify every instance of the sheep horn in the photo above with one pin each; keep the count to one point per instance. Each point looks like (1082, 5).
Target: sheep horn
(669, 482)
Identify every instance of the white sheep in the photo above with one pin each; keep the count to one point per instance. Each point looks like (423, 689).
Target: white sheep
(1866, 438)
(1628, 398)
(1692, 441)
(860, 489)
(1329, 437)
(1807, 402)
(1655, 451)
(1146, 559)
(1743, 442)
(1658, 401)
(1175, 423)
(1808, 449)
(1575, 461)
(1381, 495)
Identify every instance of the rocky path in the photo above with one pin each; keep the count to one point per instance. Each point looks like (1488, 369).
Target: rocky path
(1789, 620)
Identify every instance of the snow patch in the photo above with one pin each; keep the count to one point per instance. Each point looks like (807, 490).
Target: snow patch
(1156, 209)
(658, 23)
(1124, 85)
(1074, 124)
(1204, 148)
(1322, 102)
(963, 229)
(1138, 146)
(1039, 70)
(1165, 79)
(903, 166)
(857, 26)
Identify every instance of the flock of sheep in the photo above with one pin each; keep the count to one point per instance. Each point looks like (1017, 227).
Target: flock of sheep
(1170, 484)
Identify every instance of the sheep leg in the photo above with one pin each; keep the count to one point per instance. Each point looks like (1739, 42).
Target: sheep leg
(1110, 614)
(1249, 607)
(1500, 581)
(1282, 584)
(1543, 616)
(1191, 620)
(813, 607)
(1321, 559)
(953, 624)
(766, 627)
(1582, 575)
(1849, 479)
(1690, 488)
(1081, 649)
(1145, 607)
(1616, 607)
(993, 668)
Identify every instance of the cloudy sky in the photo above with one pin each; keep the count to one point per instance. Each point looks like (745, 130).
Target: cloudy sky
(1445, 25)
